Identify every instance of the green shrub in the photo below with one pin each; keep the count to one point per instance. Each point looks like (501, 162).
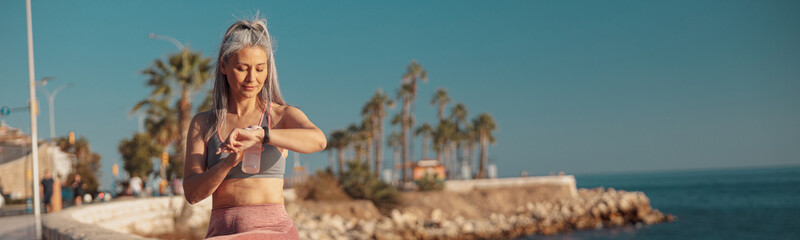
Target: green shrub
(430, 183)
(322, 186)
(359, 182)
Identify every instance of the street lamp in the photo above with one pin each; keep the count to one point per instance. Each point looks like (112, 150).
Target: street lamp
(34, 131)
(44, 80)
(174, 41)
(51, 100)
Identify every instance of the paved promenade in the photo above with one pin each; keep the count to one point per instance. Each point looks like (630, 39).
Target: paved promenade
(17, 227)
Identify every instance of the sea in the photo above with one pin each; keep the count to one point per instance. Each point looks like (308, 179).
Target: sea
(742, 203)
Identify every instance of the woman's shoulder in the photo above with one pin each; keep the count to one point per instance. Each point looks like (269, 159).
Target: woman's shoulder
(202, 118)
(203, 115)
(283, 111)
(280, 110)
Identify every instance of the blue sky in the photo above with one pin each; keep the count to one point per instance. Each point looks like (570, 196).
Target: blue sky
(578, 86)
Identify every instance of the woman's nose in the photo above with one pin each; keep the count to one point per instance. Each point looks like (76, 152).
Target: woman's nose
(251, 74)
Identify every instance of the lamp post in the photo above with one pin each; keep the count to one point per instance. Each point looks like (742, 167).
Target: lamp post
(34, 131)
(51, 102)
(174, 41)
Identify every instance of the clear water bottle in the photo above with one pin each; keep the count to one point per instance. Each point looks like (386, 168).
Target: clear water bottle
(251, 164)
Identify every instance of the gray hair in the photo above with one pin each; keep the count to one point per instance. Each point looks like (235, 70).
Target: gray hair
(243, 34)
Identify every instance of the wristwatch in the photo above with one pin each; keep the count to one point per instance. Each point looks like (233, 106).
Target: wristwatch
(266, 133)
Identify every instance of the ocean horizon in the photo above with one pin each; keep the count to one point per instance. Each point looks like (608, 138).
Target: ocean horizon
(734, 203)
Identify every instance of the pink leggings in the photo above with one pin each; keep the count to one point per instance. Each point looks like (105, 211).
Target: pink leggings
(266, 221)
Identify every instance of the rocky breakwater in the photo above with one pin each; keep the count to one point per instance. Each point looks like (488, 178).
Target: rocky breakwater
(476, 215)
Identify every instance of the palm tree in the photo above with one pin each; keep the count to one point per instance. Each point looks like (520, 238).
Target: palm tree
(208, 101)
(329, 147)
(161, 122)
(426, 131)
(471, 136)
(339, 140)
(394, 141)
(440, 99)
(375, 109)
(361, 136)
(404, 94)
(356, 138)
(184, 73)
(367, 133)
(397, 118)
(459, 116)
(442, 136)
(413, 73)
(484, 125)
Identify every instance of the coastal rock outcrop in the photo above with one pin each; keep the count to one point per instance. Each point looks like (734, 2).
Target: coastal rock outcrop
(591, 209)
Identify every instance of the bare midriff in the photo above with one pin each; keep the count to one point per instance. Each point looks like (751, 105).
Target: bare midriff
(248, 191)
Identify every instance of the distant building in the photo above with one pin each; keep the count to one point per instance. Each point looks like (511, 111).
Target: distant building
(16, 162)
(428, 166)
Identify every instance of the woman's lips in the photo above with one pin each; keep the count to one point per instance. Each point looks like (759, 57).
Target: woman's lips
(249, 88)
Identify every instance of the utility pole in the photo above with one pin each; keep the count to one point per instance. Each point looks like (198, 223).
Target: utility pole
(37, 209)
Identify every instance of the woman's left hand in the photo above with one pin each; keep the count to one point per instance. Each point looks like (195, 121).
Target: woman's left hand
(241, 139)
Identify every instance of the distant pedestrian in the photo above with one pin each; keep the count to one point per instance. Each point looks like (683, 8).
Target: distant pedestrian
(47, 191)
(2, 195)
(78, 190)
(177, 186)
(135, 184)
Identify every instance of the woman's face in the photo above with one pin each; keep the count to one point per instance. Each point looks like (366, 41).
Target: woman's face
(246, 71)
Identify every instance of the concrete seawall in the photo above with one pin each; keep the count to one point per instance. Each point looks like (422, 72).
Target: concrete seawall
(567, 181)
(568, 209)
(123, 219)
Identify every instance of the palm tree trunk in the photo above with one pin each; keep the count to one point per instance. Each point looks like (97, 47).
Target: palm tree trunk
(453, 154)
(424, 147)
(356, 152)
(464, 157)
(446, 162)
(403, 148)
(471, 157)
(410, 126)
(396, 157)
(441, 111)
(484, 155)
(439, 153)
(341, 161)
(404, 140)
(378, 141)
(365, 146)
(330, 159)
(184, 119)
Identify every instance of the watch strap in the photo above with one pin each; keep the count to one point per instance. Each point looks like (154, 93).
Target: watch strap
(266, 135)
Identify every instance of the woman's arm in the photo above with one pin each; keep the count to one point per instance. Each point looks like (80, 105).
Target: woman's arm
(298, 133)
(198, 182)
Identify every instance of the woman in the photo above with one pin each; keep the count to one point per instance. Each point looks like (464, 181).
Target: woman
(246, 93)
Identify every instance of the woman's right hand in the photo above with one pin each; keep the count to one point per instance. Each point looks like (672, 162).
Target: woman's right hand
(234, 158)
(242, 138)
